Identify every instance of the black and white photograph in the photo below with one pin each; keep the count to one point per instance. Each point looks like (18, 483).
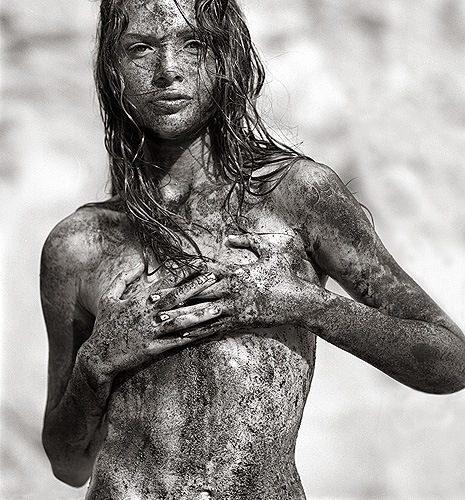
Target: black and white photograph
(232, 249)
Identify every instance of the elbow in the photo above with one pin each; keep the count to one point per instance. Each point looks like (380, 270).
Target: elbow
(439, 371)
(445, 385)
(441, 381)
(71, 478)
(64, 468)
(441, 388)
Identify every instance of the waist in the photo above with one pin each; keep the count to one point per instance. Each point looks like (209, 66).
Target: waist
(226, 469)
(239, 480)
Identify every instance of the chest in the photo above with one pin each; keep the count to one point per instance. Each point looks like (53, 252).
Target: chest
(207, 222)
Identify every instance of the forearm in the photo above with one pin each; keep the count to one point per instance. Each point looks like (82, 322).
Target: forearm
(75, 428)
(420, 354)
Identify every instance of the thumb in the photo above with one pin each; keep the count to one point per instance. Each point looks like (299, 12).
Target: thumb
(255, 242)
(124, 278)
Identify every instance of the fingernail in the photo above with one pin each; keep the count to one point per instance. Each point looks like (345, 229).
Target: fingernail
(155, 297)
(215, 310)
(233, 236)
(163, 317)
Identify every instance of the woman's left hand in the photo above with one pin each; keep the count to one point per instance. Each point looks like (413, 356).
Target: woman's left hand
(268, 292)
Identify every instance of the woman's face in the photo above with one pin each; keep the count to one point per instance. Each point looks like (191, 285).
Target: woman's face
(166, 77)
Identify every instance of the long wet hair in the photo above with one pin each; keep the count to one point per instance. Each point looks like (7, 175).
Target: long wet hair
(239, 141)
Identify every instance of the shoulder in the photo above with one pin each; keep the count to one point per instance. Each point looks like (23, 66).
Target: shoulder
(302, 169)
(78, 236)
(316, 201)
(305, 165)
(309, 185)
(75, 246)
(308, 174)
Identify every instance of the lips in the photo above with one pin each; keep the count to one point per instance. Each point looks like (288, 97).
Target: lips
(170, 102)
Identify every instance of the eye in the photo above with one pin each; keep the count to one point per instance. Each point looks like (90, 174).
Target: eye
(138, 50)
(194, 46)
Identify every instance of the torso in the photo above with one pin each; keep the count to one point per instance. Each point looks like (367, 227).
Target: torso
(214, 420)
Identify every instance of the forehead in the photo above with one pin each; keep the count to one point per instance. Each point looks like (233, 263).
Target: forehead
(160, 15)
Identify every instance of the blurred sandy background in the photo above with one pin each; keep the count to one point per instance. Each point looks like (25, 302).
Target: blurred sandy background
(376, 89)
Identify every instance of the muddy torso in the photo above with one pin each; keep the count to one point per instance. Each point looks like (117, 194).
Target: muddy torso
(213, 420)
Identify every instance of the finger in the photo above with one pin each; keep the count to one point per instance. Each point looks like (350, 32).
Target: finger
(155, 296)
(258, 244)
(196, 266)
(187, 317)
(124, 278)
(186, 291)
(166, 343)
(227, 286)
(226, 324)
(159, 293)
(195, 312)
(216, 291)
(228, 307)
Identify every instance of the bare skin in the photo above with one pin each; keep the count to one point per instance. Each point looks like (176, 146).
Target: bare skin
(196, 390)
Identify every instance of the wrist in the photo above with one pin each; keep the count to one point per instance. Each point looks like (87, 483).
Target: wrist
(314, 307)
(89, 368)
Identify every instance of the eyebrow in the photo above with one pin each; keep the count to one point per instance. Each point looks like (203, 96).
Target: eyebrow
(141, 35)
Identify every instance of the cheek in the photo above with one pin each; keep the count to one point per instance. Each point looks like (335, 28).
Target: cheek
(137, 80)
(205, 82)
(204, 95)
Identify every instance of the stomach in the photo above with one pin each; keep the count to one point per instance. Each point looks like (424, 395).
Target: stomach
(218, 419)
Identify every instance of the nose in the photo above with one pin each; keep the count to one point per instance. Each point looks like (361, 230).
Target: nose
(167, 68)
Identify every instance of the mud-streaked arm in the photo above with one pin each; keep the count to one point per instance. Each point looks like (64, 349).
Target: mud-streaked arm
(392, 324)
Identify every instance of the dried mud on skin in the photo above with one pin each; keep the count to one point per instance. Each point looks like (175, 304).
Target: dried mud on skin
(376, 91)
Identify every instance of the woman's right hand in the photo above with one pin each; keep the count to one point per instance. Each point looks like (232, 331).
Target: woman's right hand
(129, 328)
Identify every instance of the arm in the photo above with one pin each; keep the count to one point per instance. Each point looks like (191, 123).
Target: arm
(74, 423)
(87, 353)
(394, 325)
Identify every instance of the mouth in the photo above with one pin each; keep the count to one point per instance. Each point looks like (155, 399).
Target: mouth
(171, 96)
(170, 102)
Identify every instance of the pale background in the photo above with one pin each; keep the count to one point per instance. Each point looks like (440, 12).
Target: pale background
(376, 89)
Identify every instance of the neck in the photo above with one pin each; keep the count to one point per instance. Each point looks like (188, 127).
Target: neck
(183, 163)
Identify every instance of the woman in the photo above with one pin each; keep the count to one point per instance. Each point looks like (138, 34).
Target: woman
(182, 312)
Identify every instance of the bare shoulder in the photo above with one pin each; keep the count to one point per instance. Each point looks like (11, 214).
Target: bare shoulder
(77, 245)
(309, 187)
(77, 239)
(312, 177)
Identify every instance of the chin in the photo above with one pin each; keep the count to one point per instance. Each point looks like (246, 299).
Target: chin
(177, 132)
(178, 126)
